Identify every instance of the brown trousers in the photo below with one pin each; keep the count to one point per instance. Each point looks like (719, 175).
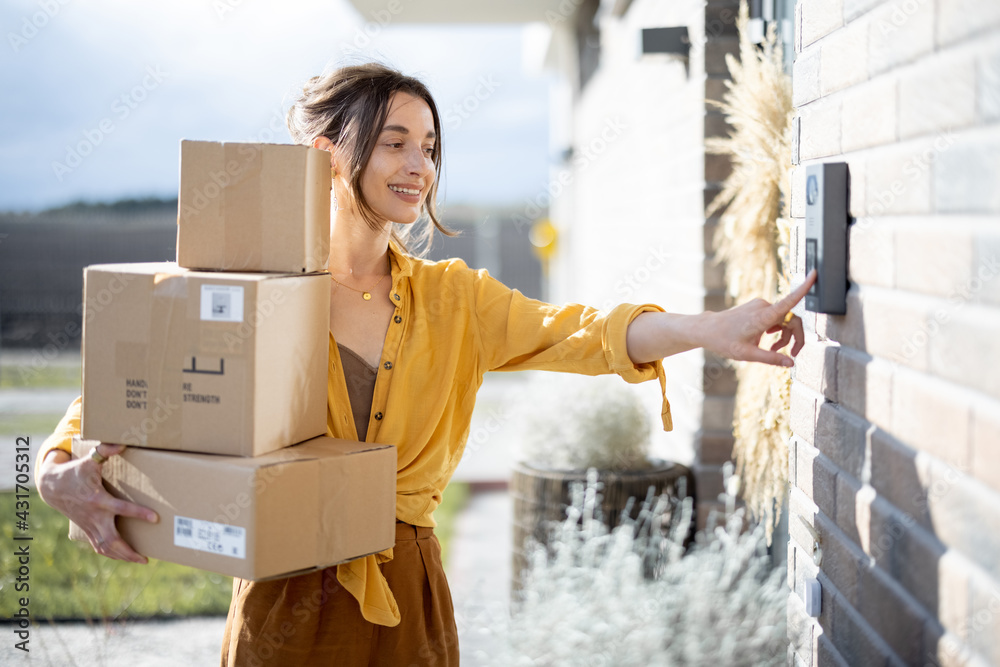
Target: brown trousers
(311, 620)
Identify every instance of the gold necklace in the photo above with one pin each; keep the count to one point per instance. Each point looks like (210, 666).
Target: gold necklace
(365, 294)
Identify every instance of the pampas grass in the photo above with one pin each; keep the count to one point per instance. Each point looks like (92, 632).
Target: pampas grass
(753, 241)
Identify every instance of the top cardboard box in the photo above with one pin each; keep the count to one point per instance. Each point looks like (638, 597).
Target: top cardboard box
(253, 207)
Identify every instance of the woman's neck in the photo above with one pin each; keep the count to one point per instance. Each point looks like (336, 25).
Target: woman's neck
(356, 248)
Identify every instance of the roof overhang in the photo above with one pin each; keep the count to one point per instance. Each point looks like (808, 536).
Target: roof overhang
(464, 11)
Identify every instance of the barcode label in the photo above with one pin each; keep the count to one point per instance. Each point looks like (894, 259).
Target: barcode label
(216, 538)
(222, 303)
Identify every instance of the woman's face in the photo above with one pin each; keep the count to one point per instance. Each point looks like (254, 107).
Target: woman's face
(400, 171)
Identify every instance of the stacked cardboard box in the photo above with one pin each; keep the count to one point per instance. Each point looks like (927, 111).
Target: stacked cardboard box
(199, 367)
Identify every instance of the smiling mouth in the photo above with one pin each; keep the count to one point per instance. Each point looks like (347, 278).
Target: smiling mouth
(404, 191)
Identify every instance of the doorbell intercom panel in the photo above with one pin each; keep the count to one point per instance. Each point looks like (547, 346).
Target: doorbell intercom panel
(826, 237)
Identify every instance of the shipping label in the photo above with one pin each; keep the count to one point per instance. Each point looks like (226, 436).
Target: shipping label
(222, 303)
(209, 536)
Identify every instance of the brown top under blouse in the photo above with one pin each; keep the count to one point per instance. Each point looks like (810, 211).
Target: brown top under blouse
(360, 387)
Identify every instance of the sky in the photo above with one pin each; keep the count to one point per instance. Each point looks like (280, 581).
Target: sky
(96, 95)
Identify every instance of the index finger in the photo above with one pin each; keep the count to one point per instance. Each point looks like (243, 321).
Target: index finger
(781, 308)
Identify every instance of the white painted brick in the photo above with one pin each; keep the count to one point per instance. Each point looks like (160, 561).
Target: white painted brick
(800, 536)
(937, 94)
(988, 86)
(853, 509)
(960, 18)
(842, 559)
(798, 185)
(820, 18)
(900, 32)
(894, 612)
(855, 639)
(864, 386)
(816, 367)
(914, 556)
(800, 504)
(953, 586)
(967, 170)
(984, 614)
(869, 114)
(840, 435)
(966, 350)
(856, 176)
(844, 57)
(820, 128)
(871, 255)
(790, 568)
(944, 649)
(898, 178)
(847, 329)
(855, 8)
(966, 516)
(816, 476)
(932, 256)
(800, 629)
(931, 415)
(797, 20)
(827, 654)
(805, 77)
(894, 326)
(902, 476)
(803, 411)
(985, 463)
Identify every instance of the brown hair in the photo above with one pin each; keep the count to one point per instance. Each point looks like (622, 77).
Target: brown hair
(349, 106)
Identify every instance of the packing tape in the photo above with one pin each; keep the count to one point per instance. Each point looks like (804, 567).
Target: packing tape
(242, 205)
(167, 326)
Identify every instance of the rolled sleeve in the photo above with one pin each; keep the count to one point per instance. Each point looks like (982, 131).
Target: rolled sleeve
(614, 338)
(62, 436)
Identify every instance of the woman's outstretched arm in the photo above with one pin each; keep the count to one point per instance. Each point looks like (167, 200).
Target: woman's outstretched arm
(734, 333)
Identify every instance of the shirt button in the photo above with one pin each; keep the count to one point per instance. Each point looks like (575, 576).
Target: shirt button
(387, 365)
(378, 416)
(396, 297)
(397, 319)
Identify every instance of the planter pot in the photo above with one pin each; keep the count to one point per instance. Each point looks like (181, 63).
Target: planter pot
(541, 497)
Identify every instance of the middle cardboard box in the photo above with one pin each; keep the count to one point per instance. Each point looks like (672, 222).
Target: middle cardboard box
(219, 363)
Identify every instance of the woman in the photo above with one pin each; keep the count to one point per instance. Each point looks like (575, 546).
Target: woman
(410, 342)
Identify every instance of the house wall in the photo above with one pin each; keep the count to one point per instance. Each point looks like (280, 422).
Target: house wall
(631, 206)
(895, 459)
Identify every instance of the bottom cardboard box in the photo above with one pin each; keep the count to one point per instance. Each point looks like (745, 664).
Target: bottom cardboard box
(318, 503)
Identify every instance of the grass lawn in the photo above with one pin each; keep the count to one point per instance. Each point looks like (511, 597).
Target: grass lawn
(69, 581)
(29, 424)
(455, 498)
(35, 372)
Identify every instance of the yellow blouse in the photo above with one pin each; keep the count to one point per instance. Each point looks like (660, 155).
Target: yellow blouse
(452, 324)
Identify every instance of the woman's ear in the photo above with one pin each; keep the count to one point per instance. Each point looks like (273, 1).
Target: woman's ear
(324, 144)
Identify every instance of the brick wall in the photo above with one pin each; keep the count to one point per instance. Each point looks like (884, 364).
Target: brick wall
(640, 180)
(895, 459)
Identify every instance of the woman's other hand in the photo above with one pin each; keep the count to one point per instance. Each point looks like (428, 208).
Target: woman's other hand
(74, 488)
